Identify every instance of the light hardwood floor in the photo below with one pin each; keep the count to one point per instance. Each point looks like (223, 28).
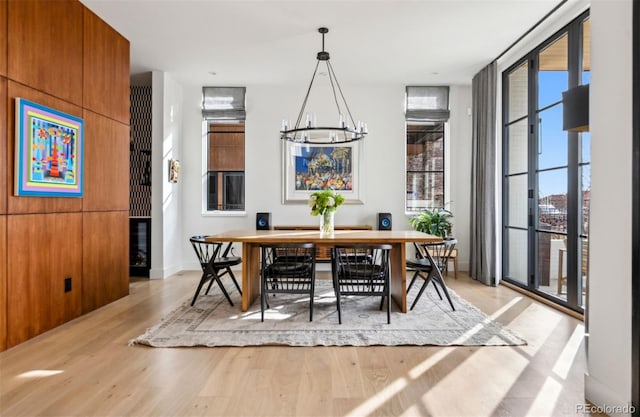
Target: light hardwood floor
(85, 368)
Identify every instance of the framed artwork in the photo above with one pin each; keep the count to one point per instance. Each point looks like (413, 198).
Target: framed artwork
(174, 170)
(48, 152)
(309, 168)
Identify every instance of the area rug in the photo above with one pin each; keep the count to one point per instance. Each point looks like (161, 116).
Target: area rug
(213, 322)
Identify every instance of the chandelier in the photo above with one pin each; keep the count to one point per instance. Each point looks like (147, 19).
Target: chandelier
(346, 130)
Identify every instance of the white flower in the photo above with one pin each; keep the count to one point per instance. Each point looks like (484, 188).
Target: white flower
(331, 202)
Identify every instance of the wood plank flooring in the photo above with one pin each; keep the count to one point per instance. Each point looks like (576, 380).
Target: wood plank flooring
(86, 368)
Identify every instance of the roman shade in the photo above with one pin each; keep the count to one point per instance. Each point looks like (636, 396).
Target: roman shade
(224, 104)
(427, 104)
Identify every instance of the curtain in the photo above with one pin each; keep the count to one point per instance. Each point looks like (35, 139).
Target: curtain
(482, 265)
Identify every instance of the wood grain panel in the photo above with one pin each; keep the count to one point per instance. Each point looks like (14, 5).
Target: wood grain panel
(3, 283)
(3, 37)
(3, 144)
(227, 158)
(106, 258)
(226, 127)
(25, 205)
(106, 154)
(106, 69)
(45, 46)
(43, 249)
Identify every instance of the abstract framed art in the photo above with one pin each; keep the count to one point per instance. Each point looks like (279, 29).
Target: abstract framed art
(48, 153)
(309, 168)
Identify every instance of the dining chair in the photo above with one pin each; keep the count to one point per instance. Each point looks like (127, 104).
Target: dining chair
(214, 264)
(429, 265)
(361, 270)
(287, 269)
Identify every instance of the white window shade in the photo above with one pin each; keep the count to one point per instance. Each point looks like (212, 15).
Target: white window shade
(427, 104)
(224, 104)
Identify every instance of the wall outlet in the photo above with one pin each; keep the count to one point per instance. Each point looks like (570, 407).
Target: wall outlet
(67, 284)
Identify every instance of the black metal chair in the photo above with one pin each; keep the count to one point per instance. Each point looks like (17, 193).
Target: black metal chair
(214, 265)
(430, 254)
(287, 269)
(361, 270)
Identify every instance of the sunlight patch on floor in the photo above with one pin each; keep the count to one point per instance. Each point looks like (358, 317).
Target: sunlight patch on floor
(567, 356)
(372, 404)
(545, 402)
(39, 373)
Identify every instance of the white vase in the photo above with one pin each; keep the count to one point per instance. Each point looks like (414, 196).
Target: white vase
(326, 223)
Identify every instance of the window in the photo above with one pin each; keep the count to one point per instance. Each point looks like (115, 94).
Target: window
(427, 112)
(224, 114)
(546, 170)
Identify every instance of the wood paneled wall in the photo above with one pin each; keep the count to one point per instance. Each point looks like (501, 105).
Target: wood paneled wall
(3, 37)
(61, 55)
(99, 263)
(3, 282)
(45, 46)
(43, 250)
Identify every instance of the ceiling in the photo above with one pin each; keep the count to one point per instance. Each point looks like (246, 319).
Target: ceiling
(275, 42)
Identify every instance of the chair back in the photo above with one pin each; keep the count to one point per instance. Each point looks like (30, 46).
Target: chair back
(288, 268)
(437, 253)
(205, 251)
(361, 269)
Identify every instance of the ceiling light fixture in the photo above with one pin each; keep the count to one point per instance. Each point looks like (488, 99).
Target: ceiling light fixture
(347, 130)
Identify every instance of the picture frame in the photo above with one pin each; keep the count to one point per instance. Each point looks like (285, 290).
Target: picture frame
(174, 170)
(49, 152)
(308, 168)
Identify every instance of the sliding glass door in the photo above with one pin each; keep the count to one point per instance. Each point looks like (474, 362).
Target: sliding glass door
(546, 171)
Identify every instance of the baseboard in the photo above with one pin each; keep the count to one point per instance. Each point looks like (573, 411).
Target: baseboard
(164, 273)
(604, 400)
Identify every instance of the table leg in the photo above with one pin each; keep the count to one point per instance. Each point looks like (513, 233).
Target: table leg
(250, 274)
(398, 278)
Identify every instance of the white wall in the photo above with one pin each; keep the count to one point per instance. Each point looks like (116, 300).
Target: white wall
(383, 160)
(609, 311)
(166, 203)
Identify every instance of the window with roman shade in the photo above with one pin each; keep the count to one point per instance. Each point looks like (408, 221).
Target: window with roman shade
(223, 111)
(426, 113)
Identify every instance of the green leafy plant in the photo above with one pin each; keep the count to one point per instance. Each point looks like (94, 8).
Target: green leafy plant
(324, 201)
(433, 221)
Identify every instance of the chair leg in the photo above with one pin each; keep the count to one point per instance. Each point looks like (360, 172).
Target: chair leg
(424, 286)
(311, 300)
(262, 298)
(200, 284)
(437, 291)
(413, 279)
(388, 296)
(208, 287)
(446, 293)
(233, 278)
(224, 291)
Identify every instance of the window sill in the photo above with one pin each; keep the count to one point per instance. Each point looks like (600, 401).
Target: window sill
(224, 214)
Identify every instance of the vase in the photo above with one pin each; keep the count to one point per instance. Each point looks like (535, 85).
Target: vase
(326, 223)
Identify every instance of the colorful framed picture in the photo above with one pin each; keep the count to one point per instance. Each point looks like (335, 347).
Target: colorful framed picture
(309, 168)
(49, 152)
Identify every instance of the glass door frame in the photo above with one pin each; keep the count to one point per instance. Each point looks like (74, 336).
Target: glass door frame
(574, 189)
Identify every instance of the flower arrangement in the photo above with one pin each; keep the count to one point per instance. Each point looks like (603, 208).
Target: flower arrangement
(325, 201)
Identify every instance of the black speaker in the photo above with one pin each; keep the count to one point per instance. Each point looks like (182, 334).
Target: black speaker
(263, 221)
(384, 221)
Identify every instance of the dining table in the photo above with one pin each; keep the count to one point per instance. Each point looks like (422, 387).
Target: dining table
(252, 239)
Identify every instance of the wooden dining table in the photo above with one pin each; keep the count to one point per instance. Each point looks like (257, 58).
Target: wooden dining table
(252, 239)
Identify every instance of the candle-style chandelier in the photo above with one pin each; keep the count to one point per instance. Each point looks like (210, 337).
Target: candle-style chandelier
(306, 131)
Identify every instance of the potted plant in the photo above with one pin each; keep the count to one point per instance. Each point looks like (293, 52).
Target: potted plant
(433, 221)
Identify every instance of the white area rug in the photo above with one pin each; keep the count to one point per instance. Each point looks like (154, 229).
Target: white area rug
(213, 322)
